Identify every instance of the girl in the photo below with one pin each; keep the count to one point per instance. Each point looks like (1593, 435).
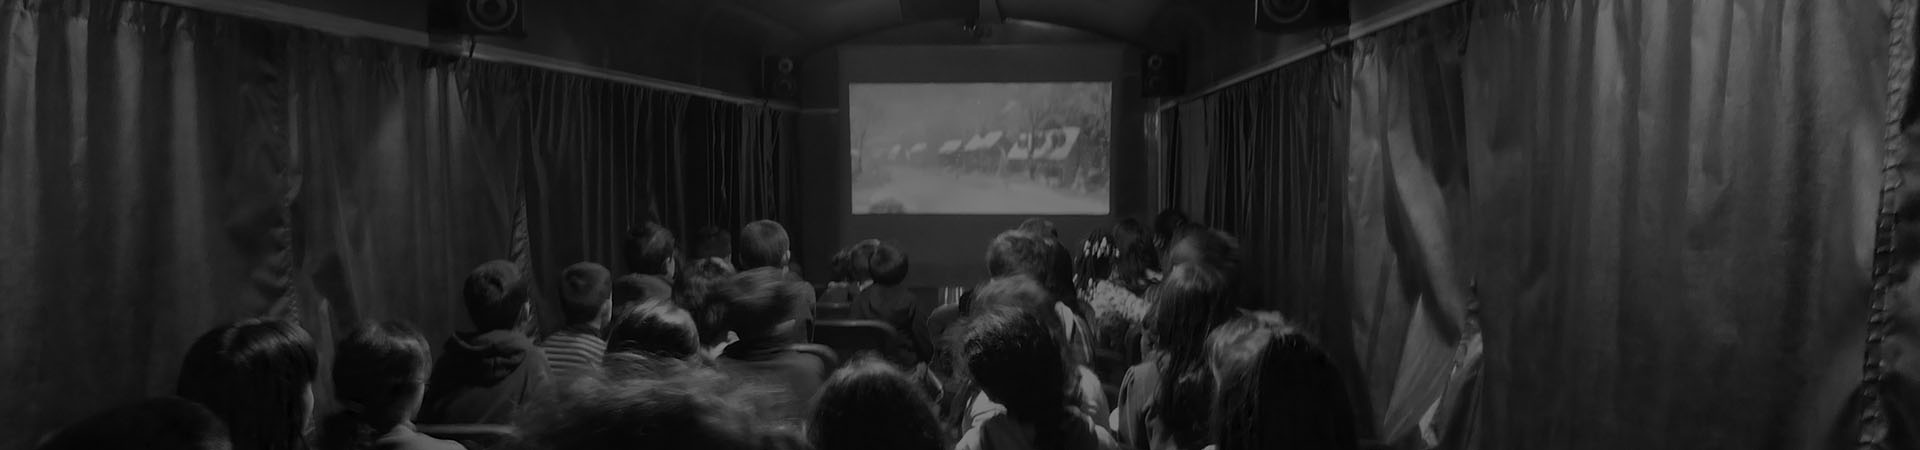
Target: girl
(1012, 355)
(870, 405)
(379, 376)
(1274, 388)
(257, 376)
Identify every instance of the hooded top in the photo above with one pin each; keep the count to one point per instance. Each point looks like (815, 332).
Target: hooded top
(482, 378)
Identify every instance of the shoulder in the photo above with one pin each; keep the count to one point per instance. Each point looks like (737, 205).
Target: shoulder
(969, 441)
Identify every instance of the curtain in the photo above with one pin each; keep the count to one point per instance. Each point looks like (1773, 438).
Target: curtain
(1672, 210)
(1890, 391)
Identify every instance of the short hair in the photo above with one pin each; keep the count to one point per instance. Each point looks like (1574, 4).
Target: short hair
(1019, 252)
(1018, 291)
(712, 242)
(647, 248)
(377, 369)
(1040, 227)
(165, 423)
(689, 409)
(655, 330)
(255, 375)
(495, 295)
(759, 300)
(763, 243)
(584, 290)
(870, 405)
(1193, 300)
(840, 267)
(1013, 356)
(1277, 388)
(888, 264)
(698, 290)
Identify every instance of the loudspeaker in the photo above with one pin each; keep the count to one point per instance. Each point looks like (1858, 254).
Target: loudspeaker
(476, 17)
(776, 77)
(1160, 75)
(1279, 16)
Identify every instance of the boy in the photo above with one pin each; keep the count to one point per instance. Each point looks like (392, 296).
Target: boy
(650, 255)
(587, 301)
(483, 376)
(758, 303)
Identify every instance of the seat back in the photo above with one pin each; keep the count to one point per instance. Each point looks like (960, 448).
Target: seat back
(471, 435)
(851, 338)
(832, 311)
(826, 354)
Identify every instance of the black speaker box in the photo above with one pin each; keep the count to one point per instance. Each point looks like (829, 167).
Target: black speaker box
(1160, 75)
(477, 17)
(1280, 16)
(777, 78)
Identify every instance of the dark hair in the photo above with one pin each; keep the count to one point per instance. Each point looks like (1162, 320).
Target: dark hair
(1192, 301)
(889, 265)
(840, 267)
(1277, 389)
(1131, 263)
(1167, 223)
(584, 290)
(1018, 291)
(165, 423)
(1206, 246)
(647, 248)
(1019, 252)
(712, 242)
(870, 405)
(687, 410)
(763, 244)
(254, 374)
(1039, 227)
(758, 300)
(697, 296)
(377, 371)
(657, 330)
(496, 295)
(860, 256)
(1012, 355)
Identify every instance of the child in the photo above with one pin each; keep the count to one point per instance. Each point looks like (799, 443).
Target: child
(697, 410)
(1275, 388)
(650, 254)
(1012, 355)
(889, 302)
(587, 300)
(657, 335)
(1163, 399)
(483, 376)
(257, 375)
(379, 376)
(870, 405)
(758, 306)
(697, 289)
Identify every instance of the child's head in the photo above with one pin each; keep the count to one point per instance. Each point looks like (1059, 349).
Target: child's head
(586, 294)
(656, 330)
(650, 250)
(759, 301)
(888, 264)
(257, 375)
(686, 410)
(712, 242)
(1039, 227)
(860, 265)
(697, 296)
(379, 376)
(1275, 388)
(1205, 246)
(1017, 252)
(166, 423)
(763, 244)
(1013, 356)
(496, 297)
(870, 405)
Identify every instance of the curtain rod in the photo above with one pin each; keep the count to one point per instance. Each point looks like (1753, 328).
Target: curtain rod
(1355, 32)
(352, 27)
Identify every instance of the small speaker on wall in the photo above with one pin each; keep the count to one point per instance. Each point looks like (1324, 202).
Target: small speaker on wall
(1160, 75)
(777, 78)
(476, 17)
(1281, 16)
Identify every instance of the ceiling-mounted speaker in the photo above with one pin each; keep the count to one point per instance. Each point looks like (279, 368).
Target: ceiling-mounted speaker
(777, 79)
(1160, 75)
(477, 17)
(1280, 16)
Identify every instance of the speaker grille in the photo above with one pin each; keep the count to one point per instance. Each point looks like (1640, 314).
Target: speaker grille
(494, 16)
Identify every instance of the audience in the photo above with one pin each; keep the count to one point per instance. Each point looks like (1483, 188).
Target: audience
(841, 283)
(587, 303)
(1275, 388)
(1012, 355)
(690, 410)
(764, 244)
(257, 376)
(1023, 293)
(657, 333)
(757, 303)
(166, 423)
(887, 301)
(697, 289)
(483, 376)
(870, 405)
(712, 242)
(650, 252)
(1163, 399)
(1167, 226)
(1117, 298)
(379, 377)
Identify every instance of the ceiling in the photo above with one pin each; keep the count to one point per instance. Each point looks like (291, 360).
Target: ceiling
(803, 26)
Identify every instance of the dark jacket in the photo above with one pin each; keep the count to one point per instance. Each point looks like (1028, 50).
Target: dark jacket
(481, 378)
(898, 307)
(773, 362)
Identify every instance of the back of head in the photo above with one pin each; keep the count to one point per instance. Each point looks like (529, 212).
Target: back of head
(870, 405)
(166, 423)
(697, 293)
(255, 375)
(649, 249)
(840, 267)
(1040, 227)
(712, 242)
(655, 330)
(1276, 388)
(757, 301)
(379, 370)
(1018, 252)
(887, 264)
(1013, 356)
(496, 296)
(585, 291)
(763, 244)
(860, 260)
(1168, 223)
(1019, 291)
(1206, 246)
(1193, 300)
(688, 410)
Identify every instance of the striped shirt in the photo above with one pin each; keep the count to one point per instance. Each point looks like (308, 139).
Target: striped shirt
(573, 352)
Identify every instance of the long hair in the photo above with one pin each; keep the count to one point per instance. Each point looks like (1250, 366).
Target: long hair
(255, 375)
(870, 405)
(378, 372)
(693, 410)
(1194, 299)
(697, 286)
(1276, 389)
(1012, 355)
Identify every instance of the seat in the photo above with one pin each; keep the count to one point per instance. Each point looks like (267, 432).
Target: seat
(825, 353)
(473, 436)
(853, 338)
(832, 311)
